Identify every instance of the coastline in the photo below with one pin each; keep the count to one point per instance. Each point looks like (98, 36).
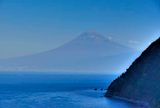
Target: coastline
(137, 102)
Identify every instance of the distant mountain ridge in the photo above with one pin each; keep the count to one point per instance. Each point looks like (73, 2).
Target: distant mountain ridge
(90, 51)
(140, 82)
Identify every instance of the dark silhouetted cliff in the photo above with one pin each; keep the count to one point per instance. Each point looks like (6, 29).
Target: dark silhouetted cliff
(141, 81)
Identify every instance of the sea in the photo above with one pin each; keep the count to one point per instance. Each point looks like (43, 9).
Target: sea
(48, 90)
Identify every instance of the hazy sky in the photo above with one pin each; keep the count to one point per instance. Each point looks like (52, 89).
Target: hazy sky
(30, 26)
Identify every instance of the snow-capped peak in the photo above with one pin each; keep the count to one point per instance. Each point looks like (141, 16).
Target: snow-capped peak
(92, 36)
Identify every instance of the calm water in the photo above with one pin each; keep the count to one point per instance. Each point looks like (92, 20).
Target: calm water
(19, 90)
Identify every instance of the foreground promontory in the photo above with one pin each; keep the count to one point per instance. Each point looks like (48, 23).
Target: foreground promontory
(141, 81)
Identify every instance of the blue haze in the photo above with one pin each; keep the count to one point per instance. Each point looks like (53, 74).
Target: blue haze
(39, 90)
(28, 26)
(32, 26)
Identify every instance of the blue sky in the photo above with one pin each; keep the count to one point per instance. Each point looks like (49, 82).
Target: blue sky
(31, 26)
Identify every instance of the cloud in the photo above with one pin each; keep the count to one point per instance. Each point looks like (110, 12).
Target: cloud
(133, 42)
(109, 38)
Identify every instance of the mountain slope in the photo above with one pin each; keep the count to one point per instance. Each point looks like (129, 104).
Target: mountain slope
(87, 52)
(141, 80)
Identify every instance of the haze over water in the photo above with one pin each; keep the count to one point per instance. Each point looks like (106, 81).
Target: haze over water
(56, 91)
(89, 38)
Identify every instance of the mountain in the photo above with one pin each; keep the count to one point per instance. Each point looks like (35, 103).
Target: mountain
(140, 83)
(88, 52)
